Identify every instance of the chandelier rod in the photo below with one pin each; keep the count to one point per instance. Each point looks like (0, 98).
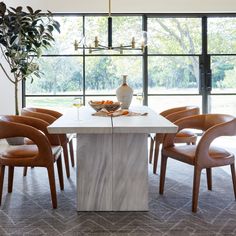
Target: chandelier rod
(109, 8)
(109, 20)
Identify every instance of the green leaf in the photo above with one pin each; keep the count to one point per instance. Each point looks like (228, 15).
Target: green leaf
(2, 8)
(12, 40)
(57, 26)
(13, 70)
(31, 11)
(50, 28)
(19, 9)
(37, 12)
(41, 28)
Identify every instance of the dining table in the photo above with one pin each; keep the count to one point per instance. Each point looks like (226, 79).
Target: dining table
(112, 156)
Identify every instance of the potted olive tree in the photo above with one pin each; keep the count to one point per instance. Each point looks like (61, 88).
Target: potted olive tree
(23, 35)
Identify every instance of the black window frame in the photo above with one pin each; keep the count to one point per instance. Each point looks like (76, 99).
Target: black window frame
(205, 79)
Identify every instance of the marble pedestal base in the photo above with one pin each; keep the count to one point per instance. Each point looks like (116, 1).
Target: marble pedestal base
(112, 172)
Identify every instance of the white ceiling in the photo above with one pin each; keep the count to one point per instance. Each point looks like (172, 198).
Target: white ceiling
(129, 6)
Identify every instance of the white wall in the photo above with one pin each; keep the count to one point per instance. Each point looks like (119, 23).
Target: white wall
(101, 6)
(7, 94)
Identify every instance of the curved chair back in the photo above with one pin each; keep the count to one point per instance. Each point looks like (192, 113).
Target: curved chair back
(177, 113)
(53, 113)
(63, 137)
(48, 118)
(213, 126)
(16, 126)
(34, 122)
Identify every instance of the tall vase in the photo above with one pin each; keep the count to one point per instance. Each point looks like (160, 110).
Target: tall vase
(124, 94)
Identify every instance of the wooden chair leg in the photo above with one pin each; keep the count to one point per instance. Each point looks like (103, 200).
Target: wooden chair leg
(232, 167)
(66, 159)
(72, 153)
(60, 173)
(10, 178)
(209, 178)
(156, 154)
(196, 185)
(162, 174)
(151, 149)
(25, 171)
(51, 177)
(2, 171)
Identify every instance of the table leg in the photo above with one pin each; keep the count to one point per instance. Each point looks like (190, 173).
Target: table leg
(130, 172)
(94, 182)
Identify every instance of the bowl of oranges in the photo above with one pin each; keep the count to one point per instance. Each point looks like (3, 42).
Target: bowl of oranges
(106, 104)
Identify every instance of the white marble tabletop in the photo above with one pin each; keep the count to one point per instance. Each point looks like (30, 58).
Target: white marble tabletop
(151, 123)
(88, 124)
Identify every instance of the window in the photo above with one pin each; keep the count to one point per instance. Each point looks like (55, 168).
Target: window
(171, 72)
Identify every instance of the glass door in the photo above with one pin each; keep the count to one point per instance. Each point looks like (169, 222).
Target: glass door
(174, 48)
(222, 59)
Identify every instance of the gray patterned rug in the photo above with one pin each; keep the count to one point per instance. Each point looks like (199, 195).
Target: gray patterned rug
(27, 211)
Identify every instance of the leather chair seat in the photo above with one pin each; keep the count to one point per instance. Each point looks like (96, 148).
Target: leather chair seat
(27, 151)
(187, 154)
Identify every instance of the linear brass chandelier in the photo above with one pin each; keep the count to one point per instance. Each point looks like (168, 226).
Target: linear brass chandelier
(81, 44)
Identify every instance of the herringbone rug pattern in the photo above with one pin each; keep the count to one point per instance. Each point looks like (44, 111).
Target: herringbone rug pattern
(27, 211)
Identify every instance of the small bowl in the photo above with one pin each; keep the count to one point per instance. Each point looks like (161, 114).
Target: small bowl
(109, 107)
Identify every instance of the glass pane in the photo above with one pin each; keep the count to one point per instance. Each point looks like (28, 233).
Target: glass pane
(96, 26)
(57, 103)
(71, 30)
(161, 103)
(104, 74)
(61, 75)
(173, 75)
(221, 35)
(225, 104)
(123, 30)
(174, 35)
(223, 74)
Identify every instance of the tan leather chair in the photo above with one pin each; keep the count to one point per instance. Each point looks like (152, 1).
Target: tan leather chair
(42, 153)
(62, 137)
(57, 114)
(203, 155)
(184, 136)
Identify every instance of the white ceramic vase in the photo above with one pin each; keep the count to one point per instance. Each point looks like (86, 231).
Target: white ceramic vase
(124, 94)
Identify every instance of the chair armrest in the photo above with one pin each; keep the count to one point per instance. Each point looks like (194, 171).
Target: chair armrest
(36, 123)
(12, 129)
(190, 122)
(223, 129)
